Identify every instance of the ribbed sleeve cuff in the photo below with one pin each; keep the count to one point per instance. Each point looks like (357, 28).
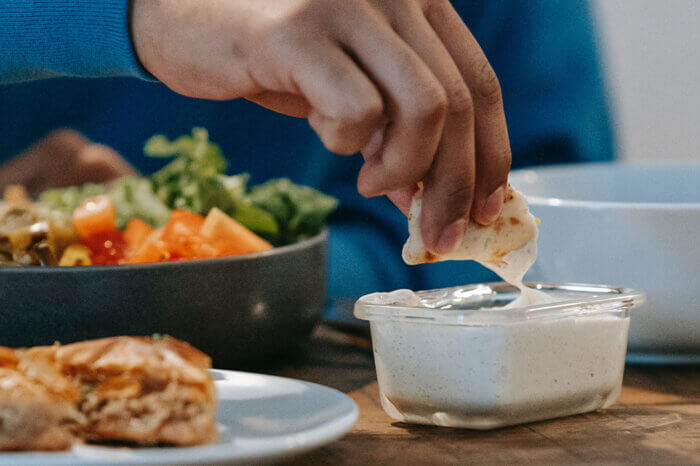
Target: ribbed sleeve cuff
(50, 38)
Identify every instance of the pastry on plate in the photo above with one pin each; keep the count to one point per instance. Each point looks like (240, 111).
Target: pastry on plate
(142, 390)
(37, 405)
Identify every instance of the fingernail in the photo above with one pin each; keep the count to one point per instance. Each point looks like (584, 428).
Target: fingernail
(451, 236)
(493, 206)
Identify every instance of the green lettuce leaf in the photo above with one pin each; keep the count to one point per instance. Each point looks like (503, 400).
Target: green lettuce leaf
(195, 181)
(134, 197)
(300, 211)
(66, 200)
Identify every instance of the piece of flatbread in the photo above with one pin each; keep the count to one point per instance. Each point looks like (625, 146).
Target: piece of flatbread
(514, 229)
(508, 246)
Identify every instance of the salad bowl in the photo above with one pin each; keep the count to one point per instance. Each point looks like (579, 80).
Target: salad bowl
(237, 309)
(238, 270)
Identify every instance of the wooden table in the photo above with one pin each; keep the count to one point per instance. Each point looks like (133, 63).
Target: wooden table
(656, 419)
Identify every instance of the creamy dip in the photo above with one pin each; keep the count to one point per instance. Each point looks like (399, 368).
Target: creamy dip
(490, 376)
(512, 270)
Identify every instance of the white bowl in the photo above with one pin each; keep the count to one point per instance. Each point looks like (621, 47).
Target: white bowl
(633, 225)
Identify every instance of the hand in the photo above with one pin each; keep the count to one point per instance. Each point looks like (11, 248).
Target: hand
(404, 81)
(63, 158)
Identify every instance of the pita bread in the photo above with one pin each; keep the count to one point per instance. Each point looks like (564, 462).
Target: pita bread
(514, 229)
(508, 246)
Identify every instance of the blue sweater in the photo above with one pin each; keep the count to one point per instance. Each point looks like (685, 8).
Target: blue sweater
(543, 52)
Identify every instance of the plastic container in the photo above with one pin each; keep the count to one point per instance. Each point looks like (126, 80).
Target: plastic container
(454, 357)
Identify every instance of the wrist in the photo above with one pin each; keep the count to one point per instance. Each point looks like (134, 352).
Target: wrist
(142, 31)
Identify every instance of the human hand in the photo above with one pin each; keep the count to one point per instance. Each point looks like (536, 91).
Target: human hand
(63, 158)
(404, 81)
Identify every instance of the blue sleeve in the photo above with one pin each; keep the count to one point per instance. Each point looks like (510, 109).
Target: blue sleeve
(49, 38)
(544, 53)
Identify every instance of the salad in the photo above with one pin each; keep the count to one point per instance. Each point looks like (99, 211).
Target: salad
(189, 209)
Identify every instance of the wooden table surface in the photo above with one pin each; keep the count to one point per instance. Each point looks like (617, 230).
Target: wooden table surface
(655, 420)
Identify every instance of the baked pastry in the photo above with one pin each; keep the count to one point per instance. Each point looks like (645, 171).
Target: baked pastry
(132, 389)
(36, 413)
(142, 390)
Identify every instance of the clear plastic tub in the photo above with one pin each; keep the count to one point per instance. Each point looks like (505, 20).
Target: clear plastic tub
(454, 357)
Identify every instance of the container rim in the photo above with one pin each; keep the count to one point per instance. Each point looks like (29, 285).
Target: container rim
(596, 299)
(524, 174)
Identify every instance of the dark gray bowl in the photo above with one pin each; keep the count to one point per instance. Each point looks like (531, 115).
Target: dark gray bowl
(237, 309)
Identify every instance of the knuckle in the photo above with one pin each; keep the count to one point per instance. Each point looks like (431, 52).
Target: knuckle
(394, 10)
(459, 193)
(289, 29)
(335, 144)
(405, 174)
(495, 168)
(359, 104)
(460, 99)
(336, 138)
(399, 4)
(283, 34)
(431, 106)
(364, 112)
(310, 15)
(488, 88)
(340, 147)
(437, 10)
(501, 163)
(365, 189)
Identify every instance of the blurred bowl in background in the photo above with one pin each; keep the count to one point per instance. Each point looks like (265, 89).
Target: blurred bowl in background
(238, 309)
(636, 225)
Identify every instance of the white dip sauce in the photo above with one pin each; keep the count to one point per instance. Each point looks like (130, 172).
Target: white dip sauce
(512, 270)
(490, 376)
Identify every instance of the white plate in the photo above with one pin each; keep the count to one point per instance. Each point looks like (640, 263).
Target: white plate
(260, 417)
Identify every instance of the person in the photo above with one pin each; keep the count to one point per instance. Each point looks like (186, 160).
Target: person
(405, 82)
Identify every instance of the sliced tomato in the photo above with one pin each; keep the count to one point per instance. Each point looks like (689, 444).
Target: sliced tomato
(96, 215)
(136, 233)
(182, 221)
(191, 246)
(182, 239)
(106, 247)
(229, 236)
(188, 235)
(153, 249)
